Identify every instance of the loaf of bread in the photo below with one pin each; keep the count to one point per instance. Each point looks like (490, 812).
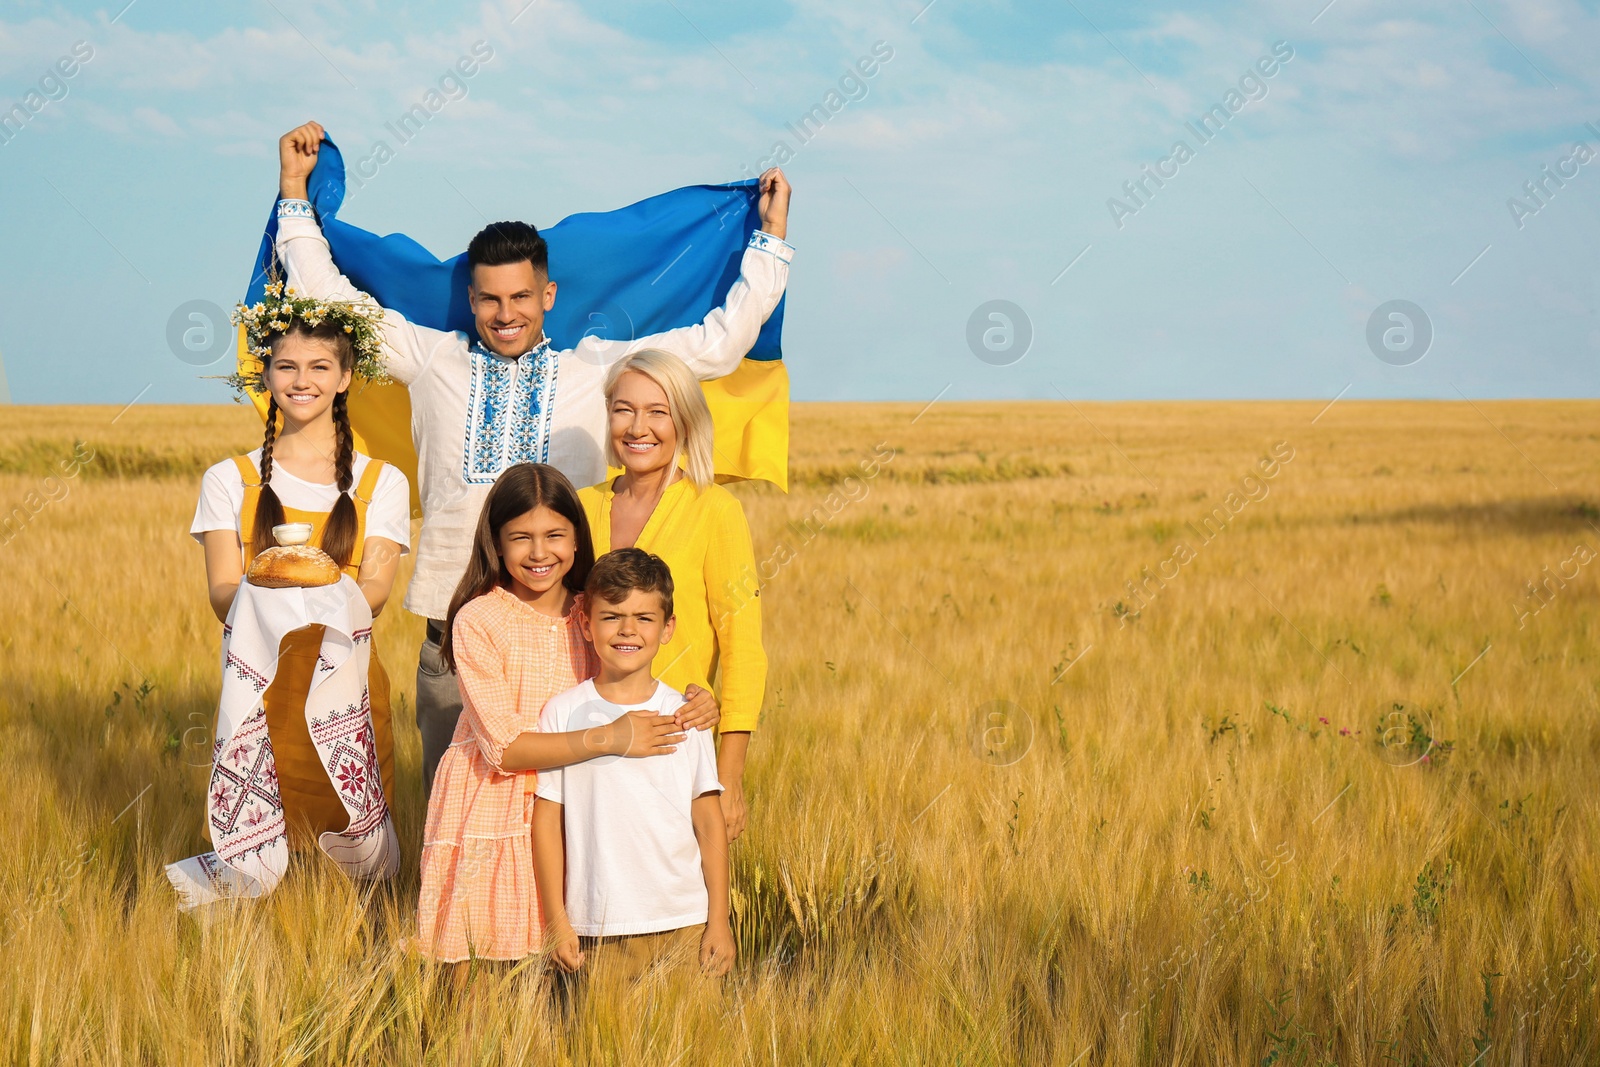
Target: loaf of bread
(293, 567)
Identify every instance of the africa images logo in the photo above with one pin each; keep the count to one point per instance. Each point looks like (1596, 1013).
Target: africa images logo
(1252, 87)
(52, 85)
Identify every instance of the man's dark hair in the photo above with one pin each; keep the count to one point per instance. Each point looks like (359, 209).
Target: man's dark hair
(630, 570)
(500, 243)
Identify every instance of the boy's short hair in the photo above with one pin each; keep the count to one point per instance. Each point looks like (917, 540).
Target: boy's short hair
(630, 570)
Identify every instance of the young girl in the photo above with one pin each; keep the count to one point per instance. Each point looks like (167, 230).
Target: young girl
(514, 639)
(307, 470)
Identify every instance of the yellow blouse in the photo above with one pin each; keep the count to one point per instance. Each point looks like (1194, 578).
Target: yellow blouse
(704, 538)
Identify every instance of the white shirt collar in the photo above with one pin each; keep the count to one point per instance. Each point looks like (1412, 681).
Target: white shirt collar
(540, 349)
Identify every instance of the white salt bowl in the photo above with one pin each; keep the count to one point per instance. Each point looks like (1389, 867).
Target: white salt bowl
(292, 533)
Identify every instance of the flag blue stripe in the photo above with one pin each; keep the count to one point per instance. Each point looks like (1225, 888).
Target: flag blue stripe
(661, 263)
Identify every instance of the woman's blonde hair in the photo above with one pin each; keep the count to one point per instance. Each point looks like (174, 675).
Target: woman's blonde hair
(691, 418)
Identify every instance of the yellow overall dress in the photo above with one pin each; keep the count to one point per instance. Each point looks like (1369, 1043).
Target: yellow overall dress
(311, 805)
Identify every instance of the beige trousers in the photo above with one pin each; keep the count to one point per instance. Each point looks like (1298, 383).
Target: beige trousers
(631, 955)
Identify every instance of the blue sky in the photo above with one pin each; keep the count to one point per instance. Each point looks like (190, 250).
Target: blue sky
(974, 165)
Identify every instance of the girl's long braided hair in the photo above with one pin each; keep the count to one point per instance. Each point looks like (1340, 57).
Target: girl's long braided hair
(339, 533)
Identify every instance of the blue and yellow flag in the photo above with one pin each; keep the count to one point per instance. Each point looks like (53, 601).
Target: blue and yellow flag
(662, 263)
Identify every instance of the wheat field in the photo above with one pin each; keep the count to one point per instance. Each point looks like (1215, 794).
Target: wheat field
(1087, 741)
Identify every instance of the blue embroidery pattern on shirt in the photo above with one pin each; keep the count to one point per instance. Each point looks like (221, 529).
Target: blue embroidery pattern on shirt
(509, 404)
(765, 242)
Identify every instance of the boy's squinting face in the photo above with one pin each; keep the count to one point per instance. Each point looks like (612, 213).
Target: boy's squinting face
(627, 635)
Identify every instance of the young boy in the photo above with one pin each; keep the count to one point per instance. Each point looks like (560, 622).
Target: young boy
(645, 850)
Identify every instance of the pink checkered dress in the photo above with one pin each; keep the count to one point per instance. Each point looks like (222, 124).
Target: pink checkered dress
(478, 894)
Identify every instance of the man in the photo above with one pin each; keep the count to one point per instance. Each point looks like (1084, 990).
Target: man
(481, 405)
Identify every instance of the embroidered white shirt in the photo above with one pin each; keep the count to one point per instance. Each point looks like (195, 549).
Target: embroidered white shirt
(474, 413)
(508, 411)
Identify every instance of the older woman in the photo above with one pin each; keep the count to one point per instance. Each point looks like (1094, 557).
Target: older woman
(665, 502)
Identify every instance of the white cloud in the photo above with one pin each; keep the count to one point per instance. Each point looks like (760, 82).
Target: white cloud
(158, 122)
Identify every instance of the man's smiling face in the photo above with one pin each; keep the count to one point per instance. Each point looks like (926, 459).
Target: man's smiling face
(508, 303)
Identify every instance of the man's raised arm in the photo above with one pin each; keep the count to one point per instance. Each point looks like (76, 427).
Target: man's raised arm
(308, 261)
(713, 347)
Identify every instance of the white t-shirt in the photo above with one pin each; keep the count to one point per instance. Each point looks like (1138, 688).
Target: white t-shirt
(222, 499)
(633, 863)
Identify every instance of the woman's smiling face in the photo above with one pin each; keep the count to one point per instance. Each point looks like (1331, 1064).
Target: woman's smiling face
(303, 375)
(641, 424)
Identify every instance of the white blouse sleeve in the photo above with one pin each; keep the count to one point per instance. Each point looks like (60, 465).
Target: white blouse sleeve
(389, 514)
(715, 346)
(221, 500)
(308, 262)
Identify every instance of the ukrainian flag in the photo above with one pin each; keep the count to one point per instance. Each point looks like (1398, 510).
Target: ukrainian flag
(655, 265)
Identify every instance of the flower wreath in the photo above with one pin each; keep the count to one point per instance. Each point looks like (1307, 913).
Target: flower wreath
(280, 307)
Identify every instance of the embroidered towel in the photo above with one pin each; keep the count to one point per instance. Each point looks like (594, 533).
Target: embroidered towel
(242, 803)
